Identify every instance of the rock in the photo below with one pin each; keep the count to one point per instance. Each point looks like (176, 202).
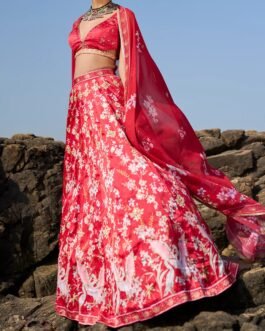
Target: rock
(30, 204)
(27, 180)
(215, 321)
(45, 280)
(260, 183)
(252, 136)
(2, 228)
(6, 286)
(186, 327)
(244, 184)
(233, 162)
(42, 155)
(23, 136)
(253, 317)
(254, 281)
(232, 138)
(261, 196)
(11, 156)
(217, 227)
(260, 167)
(31, 314)
(259, 189)
(27, 289)
(257, 148)
(216, 222)
(249, 327)
(248, 290)
(212, 145)
(215, 133)
(100, 327)
(229, 251)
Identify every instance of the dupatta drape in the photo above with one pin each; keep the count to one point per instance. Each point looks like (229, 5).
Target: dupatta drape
(158, 128)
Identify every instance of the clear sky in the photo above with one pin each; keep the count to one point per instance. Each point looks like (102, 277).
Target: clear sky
(211, 54)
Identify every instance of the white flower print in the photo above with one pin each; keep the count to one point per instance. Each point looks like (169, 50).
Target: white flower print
(190, 217)
(131, 102)
(130, 184)
(150, 199)
(137, 213)
(94, 189)
(139, 44)
(243, 197)
(144, 232)
(152, 111)
(136, 164)
(146, 258)
(201, 191)
(140, 195)
(131, 202)
(226, 193)
(109, 178)
(163, 221)
(70, 185)
(76, 190)
(147, 144)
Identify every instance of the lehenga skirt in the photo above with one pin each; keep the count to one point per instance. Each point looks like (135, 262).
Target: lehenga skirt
(132, 243)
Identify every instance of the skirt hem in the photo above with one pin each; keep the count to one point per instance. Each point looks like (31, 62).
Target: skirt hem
(159, 307)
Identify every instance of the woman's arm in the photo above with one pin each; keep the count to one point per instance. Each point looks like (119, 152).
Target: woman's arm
(121, 65)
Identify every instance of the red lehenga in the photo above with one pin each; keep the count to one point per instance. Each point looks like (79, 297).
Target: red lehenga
(132, 242)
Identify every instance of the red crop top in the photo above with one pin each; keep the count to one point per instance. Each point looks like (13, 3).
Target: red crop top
(104, 36)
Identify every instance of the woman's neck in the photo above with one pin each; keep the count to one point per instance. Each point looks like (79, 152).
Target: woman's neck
(99, 3)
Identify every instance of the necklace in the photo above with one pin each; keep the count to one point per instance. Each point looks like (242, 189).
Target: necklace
(93, 13)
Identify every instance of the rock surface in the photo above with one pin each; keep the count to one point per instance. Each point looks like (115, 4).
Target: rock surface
(30, 209)
(30, 202)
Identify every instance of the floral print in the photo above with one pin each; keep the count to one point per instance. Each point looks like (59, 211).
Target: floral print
(132, 242)
(149, 105)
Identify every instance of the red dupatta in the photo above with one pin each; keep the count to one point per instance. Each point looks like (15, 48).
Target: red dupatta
(157, 127)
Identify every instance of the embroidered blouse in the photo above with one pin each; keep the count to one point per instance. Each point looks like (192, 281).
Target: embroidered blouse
(101, 39)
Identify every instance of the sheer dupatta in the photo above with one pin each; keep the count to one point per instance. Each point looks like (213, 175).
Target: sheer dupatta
(156, 127)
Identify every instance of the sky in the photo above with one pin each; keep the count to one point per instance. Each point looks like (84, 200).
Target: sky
(210, 53)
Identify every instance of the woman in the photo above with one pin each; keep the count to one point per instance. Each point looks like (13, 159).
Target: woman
(132, 242)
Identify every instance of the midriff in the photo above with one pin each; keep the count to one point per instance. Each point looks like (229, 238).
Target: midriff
(87, 62)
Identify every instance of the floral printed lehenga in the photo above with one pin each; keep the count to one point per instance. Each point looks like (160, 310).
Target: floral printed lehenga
(132, 241)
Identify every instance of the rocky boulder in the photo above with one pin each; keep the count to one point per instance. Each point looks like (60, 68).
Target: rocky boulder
(30, 202)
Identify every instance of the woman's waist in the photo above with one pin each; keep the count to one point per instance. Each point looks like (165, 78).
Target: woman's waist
(91, 67)
(88, 62)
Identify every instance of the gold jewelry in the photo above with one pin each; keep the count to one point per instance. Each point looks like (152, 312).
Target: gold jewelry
(94, 13)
